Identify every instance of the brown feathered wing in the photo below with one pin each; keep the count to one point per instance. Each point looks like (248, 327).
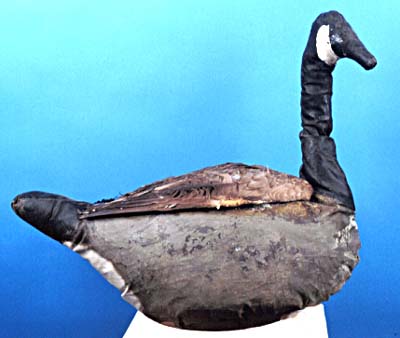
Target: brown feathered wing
(226, 185)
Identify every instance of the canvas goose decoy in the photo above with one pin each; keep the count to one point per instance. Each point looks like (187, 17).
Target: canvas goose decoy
(230, 246)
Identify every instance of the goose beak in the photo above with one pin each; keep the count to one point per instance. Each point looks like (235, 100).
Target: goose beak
(356, 51)
(347, 45)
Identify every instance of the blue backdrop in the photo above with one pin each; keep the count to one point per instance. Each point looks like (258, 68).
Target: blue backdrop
(98, 98)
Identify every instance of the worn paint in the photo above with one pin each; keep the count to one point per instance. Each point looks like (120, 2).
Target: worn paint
(230, 268)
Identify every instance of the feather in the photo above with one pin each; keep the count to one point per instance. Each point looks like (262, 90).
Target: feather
(226, 185)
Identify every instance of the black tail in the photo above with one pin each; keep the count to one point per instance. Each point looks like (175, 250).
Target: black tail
(54, 215)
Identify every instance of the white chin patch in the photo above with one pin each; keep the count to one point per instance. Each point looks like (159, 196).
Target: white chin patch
(324, 48)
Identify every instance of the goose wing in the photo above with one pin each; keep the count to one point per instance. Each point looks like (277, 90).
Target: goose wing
(226, 185)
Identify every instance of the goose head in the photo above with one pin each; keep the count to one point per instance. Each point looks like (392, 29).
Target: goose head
(332, 38)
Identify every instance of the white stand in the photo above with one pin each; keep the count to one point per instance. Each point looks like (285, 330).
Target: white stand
(307, 323)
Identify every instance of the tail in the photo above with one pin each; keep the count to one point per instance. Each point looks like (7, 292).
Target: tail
(54, 215)
(58, 217)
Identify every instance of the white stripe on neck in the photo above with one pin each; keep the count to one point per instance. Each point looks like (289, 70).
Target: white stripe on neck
(324, 48)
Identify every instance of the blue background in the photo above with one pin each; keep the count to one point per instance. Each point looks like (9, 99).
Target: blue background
(98, 98)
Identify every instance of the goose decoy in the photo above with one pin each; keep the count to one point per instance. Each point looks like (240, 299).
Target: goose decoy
(230, 246)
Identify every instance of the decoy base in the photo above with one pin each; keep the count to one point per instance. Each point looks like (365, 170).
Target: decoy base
(307, 323)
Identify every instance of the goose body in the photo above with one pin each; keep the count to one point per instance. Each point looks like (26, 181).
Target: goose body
(229, 246)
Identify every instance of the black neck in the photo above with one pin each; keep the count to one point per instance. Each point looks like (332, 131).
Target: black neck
(320, 166)
(316, 94)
